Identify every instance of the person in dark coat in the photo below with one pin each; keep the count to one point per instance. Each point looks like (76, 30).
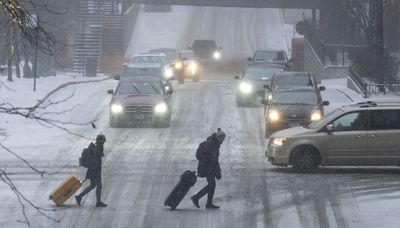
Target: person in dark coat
(94, 171)
(209, 168)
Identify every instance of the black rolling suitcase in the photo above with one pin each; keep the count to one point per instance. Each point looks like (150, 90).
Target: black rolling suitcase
(188, 179)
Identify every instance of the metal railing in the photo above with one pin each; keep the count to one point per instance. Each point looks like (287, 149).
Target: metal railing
(369, 89)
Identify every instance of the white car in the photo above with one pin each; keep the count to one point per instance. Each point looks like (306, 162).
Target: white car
(152, 58)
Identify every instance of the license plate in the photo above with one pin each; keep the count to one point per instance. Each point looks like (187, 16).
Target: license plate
(139, 116)
(294, 125)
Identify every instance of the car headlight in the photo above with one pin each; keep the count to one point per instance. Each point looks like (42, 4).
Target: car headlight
(279, 141)
(273, 115)
(116, 108)
(169, 73)
(316, 115)
(193, 67)
(217, 55)
(161, 108)
(245, 87)
(178, 65)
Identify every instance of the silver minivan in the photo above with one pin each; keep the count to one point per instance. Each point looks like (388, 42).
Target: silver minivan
(364, 134)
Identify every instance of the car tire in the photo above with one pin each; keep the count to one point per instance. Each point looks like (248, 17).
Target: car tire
(305, 160)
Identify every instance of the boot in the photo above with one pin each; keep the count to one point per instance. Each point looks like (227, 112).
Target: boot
(195, 201)
(78, 200)
(211, 206)
(101, 204)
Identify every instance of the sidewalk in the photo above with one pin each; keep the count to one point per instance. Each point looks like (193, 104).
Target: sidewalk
(338, 94)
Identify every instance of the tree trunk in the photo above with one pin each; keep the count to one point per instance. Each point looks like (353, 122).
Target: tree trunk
(10, 58)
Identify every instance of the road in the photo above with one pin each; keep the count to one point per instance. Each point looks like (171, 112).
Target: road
(142, 165)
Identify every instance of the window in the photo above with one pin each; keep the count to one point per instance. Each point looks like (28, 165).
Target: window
(355, 121)
(385, 119)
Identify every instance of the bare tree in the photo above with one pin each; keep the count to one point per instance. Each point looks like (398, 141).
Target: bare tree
(372, 62)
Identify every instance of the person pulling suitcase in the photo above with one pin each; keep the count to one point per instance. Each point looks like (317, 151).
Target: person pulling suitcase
(208, 154)
(92, 159)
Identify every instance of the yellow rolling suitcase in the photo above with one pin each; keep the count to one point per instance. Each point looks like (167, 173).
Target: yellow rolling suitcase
(65, 189)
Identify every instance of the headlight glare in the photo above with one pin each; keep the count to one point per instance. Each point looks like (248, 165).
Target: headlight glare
(217, 55)
(161, 108)
(193, 67)
(116, 108)
(279, 141)
(178, 65)
(168, 73)
(245, 87)
(273, 115)
(316, 115)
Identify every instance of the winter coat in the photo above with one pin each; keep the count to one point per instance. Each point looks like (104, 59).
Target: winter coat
(94, 171)
(209, 165)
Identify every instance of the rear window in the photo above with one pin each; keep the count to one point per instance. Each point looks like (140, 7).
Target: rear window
(385, 119)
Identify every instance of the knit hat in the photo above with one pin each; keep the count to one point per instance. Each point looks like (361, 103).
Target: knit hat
(220, 133)
(101, 138)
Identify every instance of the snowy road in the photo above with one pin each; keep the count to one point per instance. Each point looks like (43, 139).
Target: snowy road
(142, 165)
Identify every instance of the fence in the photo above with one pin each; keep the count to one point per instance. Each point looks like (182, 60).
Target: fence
(373, 88)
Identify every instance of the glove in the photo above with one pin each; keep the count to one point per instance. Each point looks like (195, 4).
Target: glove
(218, 176)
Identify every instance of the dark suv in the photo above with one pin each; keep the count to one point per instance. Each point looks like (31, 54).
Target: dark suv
(292, 107)
(206, 50)
(250, 87)
(140, 101)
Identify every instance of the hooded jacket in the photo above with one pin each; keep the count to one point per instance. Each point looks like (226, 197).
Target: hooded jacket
(209, 165)
(96, 161)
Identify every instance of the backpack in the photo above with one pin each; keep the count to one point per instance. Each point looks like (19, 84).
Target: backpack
(200, 153)
(86, 159)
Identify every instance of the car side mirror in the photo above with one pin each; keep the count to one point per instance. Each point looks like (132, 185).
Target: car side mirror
(125, 64)
(184, 59)
(117, 77)
(249, 59)
(325, 103)
(290, 60)
(110, 91)
(329, 128)
(237, 77)
(264, 102)
(169, 92)
(322, 88)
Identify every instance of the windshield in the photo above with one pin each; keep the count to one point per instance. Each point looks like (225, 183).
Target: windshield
(295, 97)
(170, 53)
(139, 88)
(187, 55)
(148, 59)
(269, 56)
(283, 81)
(142, 71)
(259, 73)
(205, 44)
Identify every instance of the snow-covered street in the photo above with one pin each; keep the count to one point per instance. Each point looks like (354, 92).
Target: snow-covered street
(142, 165)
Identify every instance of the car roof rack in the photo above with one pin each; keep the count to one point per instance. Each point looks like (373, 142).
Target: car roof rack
(367, 104)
